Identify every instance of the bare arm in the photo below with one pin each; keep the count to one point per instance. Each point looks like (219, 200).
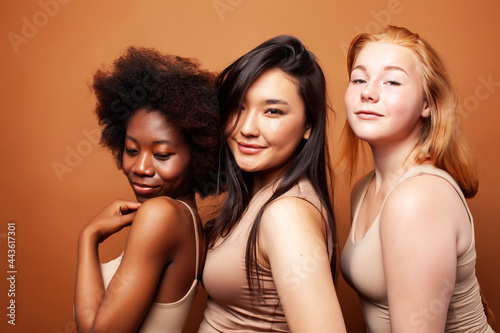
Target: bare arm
(150, 247)
(292, 242)
(419, 235)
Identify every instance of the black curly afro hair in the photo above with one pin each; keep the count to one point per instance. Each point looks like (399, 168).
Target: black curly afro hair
(144, 78)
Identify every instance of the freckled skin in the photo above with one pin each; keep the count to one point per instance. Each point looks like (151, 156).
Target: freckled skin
(385, 80)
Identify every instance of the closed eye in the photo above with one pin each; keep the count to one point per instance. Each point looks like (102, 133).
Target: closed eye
(393, 83)
(163, 156)
(131, 151)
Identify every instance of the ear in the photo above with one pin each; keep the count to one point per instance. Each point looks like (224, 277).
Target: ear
(426, 111)
(307, 133)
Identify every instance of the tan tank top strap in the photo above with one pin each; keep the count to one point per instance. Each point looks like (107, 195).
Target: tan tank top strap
(195, 223)
(428, 169)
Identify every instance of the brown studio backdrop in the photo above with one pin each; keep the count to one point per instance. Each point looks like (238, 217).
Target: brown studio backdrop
(54, 177)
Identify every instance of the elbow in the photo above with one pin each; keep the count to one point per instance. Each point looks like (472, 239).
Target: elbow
(83, 327)
(83, 323)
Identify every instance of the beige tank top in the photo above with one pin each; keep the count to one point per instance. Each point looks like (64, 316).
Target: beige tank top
(230, 307)
(162, 317)
(362, 268)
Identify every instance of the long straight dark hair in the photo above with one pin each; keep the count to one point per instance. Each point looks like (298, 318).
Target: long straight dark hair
(288, 54)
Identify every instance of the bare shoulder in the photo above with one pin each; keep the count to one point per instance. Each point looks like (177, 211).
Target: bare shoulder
(423, 204)
(163, 218)
(163, 208)
(289, 213)
(290, 226)
(417, 193)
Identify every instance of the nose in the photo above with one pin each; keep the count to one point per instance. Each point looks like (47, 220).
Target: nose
(144, 165)
(369, 93)
(249, 123)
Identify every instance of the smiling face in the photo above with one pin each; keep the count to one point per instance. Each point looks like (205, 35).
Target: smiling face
(157, 159)
(270, 126)
(385, 101)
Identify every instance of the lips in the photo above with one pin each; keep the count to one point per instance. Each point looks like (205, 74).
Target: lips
(368, 114)
(143, 189)
(249, 148)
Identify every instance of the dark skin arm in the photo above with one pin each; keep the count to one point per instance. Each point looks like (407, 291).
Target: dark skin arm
(152, 244)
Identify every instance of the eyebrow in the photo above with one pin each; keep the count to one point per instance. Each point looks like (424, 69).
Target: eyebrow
(395, 68)
(275, 101)
(154, 142)
(387, 68)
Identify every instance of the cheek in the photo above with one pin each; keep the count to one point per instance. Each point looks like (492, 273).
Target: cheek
(405, 105)
(276, 126)
(284, 132)
(126, 164)
(349, 98)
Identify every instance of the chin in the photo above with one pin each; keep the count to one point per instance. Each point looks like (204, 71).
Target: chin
(141, 198)
(248, 168)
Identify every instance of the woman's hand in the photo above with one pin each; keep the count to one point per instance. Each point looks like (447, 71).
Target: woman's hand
(112, 219)
(154, 240)
(89, 289)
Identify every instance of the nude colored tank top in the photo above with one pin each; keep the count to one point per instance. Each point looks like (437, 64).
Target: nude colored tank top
(362, 268)
(230, 308)
(162, 317)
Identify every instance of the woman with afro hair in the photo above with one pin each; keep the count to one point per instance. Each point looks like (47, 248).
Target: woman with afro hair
(160, 120)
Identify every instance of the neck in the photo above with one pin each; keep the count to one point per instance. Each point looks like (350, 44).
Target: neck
(391, 161)
(187, 198)
(259, 182)
(264, 178)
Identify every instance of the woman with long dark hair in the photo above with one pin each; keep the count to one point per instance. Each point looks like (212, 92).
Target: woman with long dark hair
(271, 261)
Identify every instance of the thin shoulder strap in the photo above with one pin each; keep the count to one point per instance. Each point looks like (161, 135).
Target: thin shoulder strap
(195, 223)
(435, 171)
(427, 169)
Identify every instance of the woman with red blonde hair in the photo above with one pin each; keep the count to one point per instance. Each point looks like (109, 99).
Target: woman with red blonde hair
(410, 253)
